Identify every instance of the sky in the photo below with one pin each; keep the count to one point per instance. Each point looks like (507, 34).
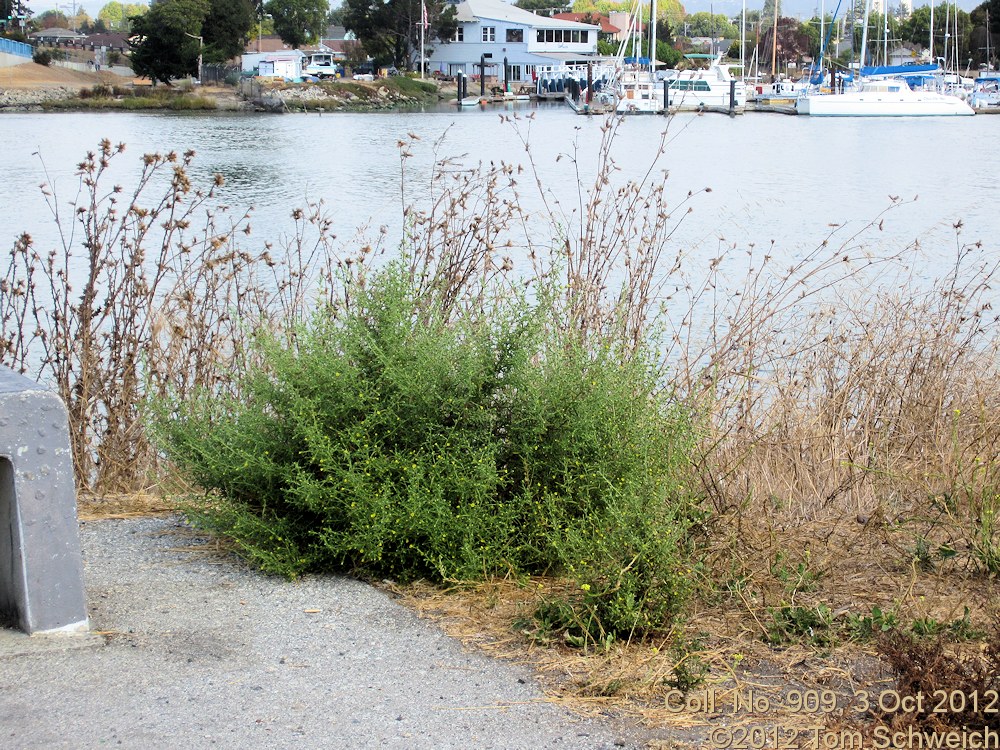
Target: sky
(794, 8)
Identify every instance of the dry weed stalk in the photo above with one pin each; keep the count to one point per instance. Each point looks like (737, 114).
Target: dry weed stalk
(608, 250)
(843, 392)
(136, 300)
(459, 240)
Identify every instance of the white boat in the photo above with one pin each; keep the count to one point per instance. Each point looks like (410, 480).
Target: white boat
(881, 98)
(696, 89)
(985, 92)
(630, 87)
(877, 93)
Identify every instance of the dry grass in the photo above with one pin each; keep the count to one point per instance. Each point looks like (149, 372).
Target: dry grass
(130, 505)
(850, 437)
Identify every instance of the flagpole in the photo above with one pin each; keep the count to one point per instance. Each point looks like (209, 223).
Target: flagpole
(423, 25)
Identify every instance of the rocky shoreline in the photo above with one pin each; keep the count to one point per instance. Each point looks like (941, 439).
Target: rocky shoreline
(347, 96)
(32, 99)
(311, 97)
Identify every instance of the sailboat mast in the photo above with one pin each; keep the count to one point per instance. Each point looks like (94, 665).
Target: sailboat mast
(774, 44)
(931, 41)
(864, 35)
(652, 39)
(822, 25)
(957, 37)
(989, 60)
(947, 33)
(885, 37)
(743, 40)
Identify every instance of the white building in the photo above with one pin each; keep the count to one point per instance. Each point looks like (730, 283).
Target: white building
(285, 63)
(509, 37)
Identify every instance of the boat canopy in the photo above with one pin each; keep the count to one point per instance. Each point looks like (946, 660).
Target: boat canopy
(899, 70)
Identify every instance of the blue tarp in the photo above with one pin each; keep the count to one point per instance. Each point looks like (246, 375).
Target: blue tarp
(899, 70)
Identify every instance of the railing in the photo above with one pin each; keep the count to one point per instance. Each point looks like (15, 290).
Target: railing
(16, 48)
(249, 88)
(218, 74)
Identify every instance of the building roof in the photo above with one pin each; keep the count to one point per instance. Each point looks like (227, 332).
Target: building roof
(606, 26)
(497, 10)
(110, 39)
(55, 33)
(270, 43)
(336, 33)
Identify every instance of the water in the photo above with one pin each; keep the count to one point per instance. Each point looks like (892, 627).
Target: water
(773, 178)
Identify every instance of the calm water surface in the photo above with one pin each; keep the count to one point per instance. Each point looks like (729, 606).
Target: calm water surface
(773, 178)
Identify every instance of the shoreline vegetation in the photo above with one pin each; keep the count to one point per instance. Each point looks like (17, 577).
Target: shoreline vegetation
(580, 450)
(256, 95)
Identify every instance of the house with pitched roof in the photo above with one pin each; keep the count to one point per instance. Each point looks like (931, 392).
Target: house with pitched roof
(510, 39)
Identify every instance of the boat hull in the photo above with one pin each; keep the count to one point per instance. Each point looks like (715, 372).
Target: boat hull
(901, 103)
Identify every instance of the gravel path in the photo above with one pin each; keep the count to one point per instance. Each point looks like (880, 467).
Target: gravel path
(203, 652)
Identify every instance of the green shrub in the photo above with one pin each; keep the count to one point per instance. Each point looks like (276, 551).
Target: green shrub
(394, 441)
(42, 57)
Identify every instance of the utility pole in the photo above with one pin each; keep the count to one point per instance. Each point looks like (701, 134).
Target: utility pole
(201, 43)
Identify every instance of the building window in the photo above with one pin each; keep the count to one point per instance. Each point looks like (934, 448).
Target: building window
(515, 73)
(489, 33)
(459, 34)
(515, 35)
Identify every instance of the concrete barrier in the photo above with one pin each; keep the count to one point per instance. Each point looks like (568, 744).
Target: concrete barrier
(9, 61)
(41, 567)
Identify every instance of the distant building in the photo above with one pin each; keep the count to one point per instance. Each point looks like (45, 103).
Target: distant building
(608, 29)
(513, 36)
(283, 63)
(269, 43)
(55, 35)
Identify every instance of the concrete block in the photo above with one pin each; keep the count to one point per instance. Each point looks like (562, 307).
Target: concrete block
(41, 566)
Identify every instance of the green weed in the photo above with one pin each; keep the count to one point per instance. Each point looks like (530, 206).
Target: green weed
(398, 441)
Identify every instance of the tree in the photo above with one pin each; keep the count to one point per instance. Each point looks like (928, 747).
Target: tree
(705, 24)
(670, 10)
(917, 28)
(793, 43)
(336, 16)
(985, 20)
(52, 19)
(767, 13)
(116, 15)
(390, 31)
(162, 43)
(298, 22)
(93, 27)
(544, 7)
(667, 54)
(226, 28)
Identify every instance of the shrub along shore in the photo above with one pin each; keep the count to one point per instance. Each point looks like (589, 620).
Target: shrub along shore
(802, 498)
(397, 92)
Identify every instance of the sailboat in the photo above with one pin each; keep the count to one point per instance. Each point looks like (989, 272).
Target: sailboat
(875, 96)
(625, 85)
(634, 85)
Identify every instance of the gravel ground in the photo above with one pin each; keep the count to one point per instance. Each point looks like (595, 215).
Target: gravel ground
(198, 651)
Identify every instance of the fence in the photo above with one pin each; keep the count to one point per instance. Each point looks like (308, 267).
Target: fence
(218, 74)
(248, 88)
(16, 48)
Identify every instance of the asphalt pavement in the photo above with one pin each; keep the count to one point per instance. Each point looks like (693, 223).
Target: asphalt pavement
(195, 650)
